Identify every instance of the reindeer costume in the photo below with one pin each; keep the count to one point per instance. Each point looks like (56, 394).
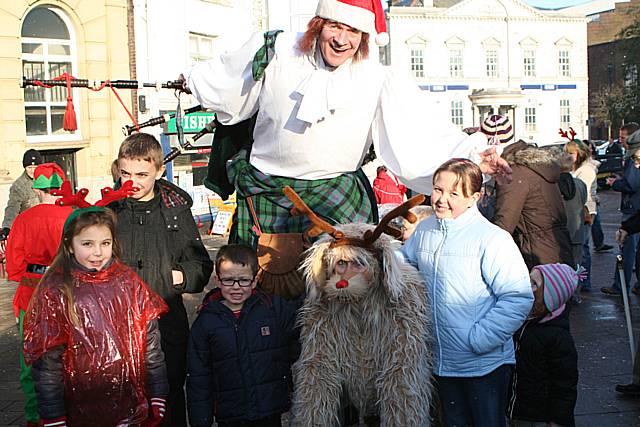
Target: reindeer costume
(367, 335)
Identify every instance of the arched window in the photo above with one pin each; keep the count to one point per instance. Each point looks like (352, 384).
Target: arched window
(48, 50)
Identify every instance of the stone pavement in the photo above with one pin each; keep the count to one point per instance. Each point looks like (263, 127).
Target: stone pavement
(598, 327)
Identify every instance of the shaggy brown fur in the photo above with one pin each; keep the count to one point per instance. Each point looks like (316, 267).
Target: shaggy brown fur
(531, 156)
(370, 338)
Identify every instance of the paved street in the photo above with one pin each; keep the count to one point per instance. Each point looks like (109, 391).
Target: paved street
(598, 327)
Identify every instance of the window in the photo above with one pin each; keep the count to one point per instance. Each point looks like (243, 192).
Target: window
(200, 47)
(630, 75)
(529, 61)
(48, 50)
(564, 66)
(417, 63)
(492, 63)
(457, 115)
(530, 119)
(455, 63)
(565, 113)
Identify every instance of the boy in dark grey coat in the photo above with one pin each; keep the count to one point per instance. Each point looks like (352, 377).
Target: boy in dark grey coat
(161, 242)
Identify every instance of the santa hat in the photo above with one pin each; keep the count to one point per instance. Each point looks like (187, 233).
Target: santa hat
(364, 15)
(48, 176)
(498, 127)
(560, 282)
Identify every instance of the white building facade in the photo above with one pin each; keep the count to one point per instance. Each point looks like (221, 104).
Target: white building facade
(171, 36)
(478, 57)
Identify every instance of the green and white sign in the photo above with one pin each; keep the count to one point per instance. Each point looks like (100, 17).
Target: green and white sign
(191, 123)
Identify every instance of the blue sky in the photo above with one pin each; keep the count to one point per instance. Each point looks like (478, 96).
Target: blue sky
(554, 4)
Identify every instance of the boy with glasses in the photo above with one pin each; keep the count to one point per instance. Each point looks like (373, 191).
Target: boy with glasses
(239, 359)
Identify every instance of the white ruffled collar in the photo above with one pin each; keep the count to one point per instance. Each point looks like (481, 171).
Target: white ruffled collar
(324, 90)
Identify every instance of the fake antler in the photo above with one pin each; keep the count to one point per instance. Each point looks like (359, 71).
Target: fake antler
(319, 225)
(78, 199)
(110, 195)
(69, 198)
(403, 211)
(565, 134)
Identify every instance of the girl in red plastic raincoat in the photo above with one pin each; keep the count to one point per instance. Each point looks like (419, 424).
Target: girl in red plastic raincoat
(91, 333)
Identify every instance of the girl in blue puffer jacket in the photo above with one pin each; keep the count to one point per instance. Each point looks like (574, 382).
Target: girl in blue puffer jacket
(480, 294)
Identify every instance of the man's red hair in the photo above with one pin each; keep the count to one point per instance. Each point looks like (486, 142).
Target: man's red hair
(308, 41)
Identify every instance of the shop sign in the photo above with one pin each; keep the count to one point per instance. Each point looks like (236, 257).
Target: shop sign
(191, 123)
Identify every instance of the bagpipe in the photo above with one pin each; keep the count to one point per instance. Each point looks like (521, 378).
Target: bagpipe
(70, 123)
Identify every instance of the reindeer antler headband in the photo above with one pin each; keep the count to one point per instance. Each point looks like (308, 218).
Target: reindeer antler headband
(69, 198)
(571, 136)
(565, 134)
(370, 236)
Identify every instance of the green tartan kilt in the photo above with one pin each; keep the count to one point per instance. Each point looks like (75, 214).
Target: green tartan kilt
(339, 200)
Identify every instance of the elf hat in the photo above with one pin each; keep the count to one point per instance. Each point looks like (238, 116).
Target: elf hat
(560, 282)
(48, 176)
(364, 15)
(498, 127)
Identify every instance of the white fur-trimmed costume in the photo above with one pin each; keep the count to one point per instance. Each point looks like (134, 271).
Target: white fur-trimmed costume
(372, 338)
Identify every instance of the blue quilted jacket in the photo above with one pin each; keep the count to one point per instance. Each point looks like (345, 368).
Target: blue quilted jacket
(479, 289)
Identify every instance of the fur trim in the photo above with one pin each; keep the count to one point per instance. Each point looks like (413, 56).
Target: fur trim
(532, 157)
(374, 344)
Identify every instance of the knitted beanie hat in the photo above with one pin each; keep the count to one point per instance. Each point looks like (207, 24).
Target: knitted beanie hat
(31, 158)
(48, 176)
(498, 127)
(560, 282)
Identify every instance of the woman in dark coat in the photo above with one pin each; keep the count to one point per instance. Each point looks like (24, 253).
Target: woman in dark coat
(530, 207)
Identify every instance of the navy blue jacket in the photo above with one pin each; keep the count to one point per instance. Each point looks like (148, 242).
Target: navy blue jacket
(239, 368)
(629, 186)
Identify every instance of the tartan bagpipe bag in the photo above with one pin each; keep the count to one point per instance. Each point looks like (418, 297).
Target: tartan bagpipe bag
(279, 257)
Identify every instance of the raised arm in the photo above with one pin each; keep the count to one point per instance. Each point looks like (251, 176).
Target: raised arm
(410, 143)
(225, 84)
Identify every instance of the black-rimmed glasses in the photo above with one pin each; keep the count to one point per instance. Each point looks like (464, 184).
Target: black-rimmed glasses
(243, 283)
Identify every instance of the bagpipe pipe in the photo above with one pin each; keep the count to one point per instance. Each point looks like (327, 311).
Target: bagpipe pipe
(176, 151)
(68, 81)
(99, 84)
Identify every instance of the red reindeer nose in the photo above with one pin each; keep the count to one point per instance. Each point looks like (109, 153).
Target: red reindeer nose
(340, 284)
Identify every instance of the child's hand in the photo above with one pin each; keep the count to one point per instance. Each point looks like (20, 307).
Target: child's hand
(178, 277)
(156, 413)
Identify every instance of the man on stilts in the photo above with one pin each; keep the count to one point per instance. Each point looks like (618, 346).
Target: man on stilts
(320, 103)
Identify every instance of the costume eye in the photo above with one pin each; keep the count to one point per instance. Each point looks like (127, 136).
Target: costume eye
(342, 263)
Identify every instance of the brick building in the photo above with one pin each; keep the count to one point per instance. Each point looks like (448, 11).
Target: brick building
(605, 58)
